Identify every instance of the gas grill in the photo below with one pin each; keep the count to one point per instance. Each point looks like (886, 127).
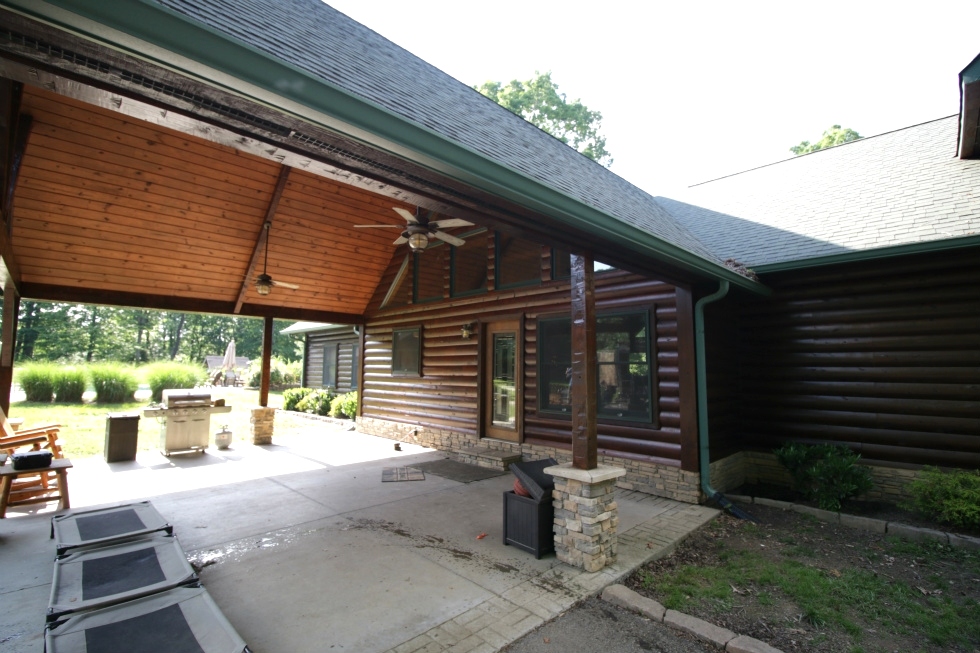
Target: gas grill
(185, 420)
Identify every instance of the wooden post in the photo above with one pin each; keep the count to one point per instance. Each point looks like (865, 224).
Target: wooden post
(266, 363)
(583, 391)
(11, 308)
(686, 365)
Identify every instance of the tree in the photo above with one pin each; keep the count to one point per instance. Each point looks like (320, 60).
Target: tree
(540, 103)
(833, 136)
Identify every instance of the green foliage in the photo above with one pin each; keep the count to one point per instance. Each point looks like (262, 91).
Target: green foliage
(344, 405)
(316, 402)
(833, 136)
(825, 473)
(69, 385)
(169, 376)
(37, 381)
(114, 383)
(539, 102)
(952, 497)
(292, 397)
(281, 372)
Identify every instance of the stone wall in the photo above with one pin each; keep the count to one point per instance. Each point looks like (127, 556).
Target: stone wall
(890, 483)
(263, 423)
(643, 476)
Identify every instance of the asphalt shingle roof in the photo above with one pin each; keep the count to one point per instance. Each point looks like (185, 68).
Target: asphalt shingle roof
(899, 188)
(335, 48)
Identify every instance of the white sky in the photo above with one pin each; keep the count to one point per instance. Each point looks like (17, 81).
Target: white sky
(691, 91)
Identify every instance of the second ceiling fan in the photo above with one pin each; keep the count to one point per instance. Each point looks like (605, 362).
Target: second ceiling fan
(420, 228)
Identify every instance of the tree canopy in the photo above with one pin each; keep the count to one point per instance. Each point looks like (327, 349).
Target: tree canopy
(539, 102)
(836, 135)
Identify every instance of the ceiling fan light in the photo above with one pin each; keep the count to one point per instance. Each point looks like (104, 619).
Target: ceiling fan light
(263, 286)
(418, 241)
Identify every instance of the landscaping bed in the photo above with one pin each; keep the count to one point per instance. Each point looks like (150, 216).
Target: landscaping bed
(801, 584)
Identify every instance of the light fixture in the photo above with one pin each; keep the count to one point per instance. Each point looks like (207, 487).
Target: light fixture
(418, 241)
(263, 285)
(466, 332)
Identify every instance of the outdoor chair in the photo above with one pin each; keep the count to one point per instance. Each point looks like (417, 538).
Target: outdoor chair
(30, 439)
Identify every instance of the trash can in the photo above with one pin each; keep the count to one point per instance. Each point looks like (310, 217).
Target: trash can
(121, 431)
(529, 520)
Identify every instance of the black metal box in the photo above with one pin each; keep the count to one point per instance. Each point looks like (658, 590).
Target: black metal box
(121, 432)
(529, 524)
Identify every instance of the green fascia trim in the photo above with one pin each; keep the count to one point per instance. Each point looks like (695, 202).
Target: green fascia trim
(871, 254)
(341, 112)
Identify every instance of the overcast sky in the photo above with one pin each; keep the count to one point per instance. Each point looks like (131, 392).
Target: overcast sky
(691, 91)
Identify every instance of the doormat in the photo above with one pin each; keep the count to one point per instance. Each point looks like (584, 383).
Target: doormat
(394, 474)
(460, 472)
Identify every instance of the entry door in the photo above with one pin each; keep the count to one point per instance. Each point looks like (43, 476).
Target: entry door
(502, 380)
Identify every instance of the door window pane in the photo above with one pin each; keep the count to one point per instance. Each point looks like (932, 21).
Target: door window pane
(504, 387)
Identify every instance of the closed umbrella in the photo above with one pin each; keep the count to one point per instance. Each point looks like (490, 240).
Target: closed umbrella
(228, 363)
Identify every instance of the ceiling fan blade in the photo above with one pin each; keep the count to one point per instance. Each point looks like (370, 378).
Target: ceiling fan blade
(409, 218)
(285, 285)
(449, 223)
(378, 226)
(401, 241)
(446, 238)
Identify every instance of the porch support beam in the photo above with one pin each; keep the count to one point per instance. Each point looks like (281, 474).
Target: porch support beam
(263, 236)
(266, 363)
(11, 308)
(583, 391)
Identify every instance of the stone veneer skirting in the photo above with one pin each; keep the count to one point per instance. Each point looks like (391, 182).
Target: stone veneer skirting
(890, 484)
(642, 476)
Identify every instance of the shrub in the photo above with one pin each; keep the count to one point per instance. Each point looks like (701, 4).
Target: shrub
(292, 396)
(280, 373)
(169, 376)
(114, 384)
(69, 385)
(344, 405)
(825, 473)
(37, 381)
(316, 402)
(953, 497)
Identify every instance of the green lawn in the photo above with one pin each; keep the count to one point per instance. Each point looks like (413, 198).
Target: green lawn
(83, 426)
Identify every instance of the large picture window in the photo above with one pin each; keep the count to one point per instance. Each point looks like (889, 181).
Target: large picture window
(623, 365)
(469, 265)
(406, 352)
(518, 262)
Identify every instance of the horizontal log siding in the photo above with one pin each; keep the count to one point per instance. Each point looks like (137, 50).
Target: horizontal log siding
(446, 395)
(883, 357)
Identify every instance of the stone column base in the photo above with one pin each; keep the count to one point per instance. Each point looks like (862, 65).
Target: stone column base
(585, 515)
(262, 425)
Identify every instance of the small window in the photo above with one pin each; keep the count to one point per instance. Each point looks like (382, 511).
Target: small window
(406, 352)
(518, 262)
(561, 264)
(469, 265)
(330, 366)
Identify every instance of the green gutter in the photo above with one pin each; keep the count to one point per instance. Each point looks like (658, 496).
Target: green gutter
(701, 362)
(870, 254)
(262, 78)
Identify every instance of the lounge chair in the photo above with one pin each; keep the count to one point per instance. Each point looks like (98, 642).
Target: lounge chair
(34, 486)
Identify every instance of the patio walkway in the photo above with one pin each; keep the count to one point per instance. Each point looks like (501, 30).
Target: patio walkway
(305, 549)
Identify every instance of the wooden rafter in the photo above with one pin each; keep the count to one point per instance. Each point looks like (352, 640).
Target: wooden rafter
(270, 213)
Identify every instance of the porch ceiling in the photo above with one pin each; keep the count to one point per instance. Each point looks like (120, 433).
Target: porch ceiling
(111, 209)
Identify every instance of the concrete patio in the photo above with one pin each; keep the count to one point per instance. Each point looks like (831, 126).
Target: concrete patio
(305, 549)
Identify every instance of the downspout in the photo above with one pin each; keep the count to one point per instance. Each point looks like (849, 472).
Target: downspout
(702, 383)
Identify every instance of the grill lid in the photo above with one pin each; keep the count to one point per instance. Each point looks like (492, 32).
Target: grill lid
(181, 398)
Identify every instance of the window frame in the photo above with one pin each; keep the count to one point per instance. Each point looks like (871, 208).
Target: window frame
(416, 358)
(327, 347)
(649, 314)
(452, 267)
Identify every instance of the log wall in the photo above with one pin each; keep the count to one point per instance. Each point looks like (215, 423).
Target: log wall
(346, 341)
(883, 357)
(446, 396)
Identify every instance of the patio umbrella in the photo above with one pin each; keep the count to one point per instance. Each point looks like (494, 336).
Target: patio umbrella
(228, 362)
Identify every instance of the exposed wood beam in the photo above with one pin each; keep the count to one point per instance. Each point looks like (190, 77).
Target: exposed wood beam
(13, 142)
(266, 363)
(49, 293)
(11, 308)
(585, 449)
(262, 240)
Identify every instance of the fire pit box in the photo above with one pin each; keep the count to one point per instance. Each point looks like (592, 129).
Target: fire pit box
(529, 521)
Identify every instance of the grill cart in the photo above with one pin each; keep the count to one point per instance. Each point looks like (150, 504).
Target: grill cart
(185, 420)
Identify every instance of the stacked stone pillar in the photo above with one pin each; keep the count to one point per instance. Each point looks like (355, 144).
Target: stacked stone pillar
(263, 423)
(586, 515)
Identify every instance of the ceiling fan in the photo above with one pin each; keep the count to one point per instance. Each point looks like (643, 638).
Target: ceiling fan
(420, 228)
(264, 282)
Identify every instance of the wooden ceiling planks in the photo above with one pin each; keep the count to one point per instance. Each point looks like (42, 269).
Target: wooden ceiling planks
(109, 204)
